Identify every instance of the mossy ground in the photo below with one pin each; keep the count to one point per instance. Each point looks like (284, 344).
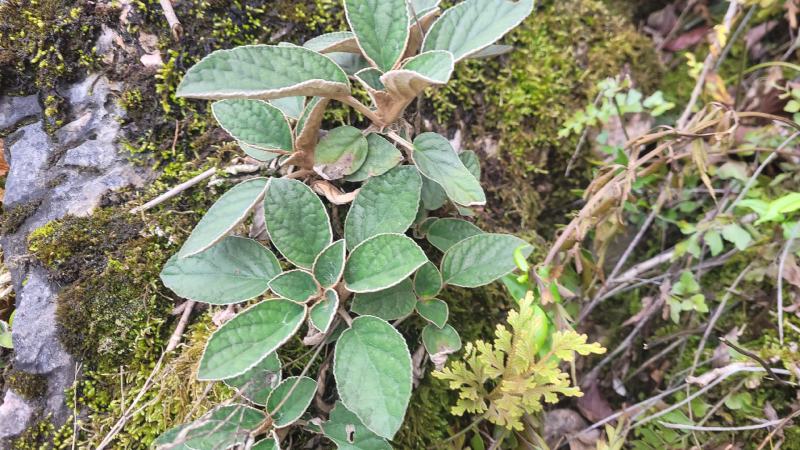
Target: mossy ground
(113, 310)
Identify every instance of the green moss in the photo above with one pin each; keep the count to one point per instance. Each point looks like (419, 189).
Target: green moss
(29, 386)
(523, 99)
(12, 218)
(37, 437)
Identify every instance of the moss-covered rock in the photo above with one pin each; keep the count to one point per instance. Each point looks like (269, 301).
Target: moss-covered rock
(14, 216)
(29, 386)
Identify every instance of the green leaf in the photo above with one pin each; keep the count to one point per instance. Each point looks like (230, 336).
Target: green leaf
(338, 41)
(432, 68)
(473, 25)
(381, 157)
(296, 220)
(381, 28)
(370, 78)
(255, 123)
(471, 162)
(388, 304)
(440, 341)
(307, 128)
(257, 153)
(264, 72)
(381, 262)
(427, 281)
(235, 270)
(516, 288)
(434, 311)
(5, 336)
(423, 7)
(347, 431)
(329, 265)
(433, 196)
(491, 51)
(713, 239)
(322, 313)
(372, 367)
(436, 159)
(481, 259)
(738, 236)
(256, 384)
(223, 427)
(385, 204)
(444, 233)
(267, 444)
(223, 216)
(242, 342)
(349, 62)
(341, 152)
(292, 107)
(290, 400)
(295, 285)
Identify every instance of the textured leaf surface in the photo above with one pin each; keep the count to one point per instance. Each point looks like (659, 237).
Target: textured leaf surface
(370, 78)
(427, 281)
(444, 233)
(385, 204)
(372, 367)
(264, 72)
(381, 157)
(254, 122)
(295, 394)
(473, 25)
(381, 28)
(322, 314)
(491, 51)
(443, 340)
(347, 431)
(338, 41)
(341, 152)
(223, 427)
(295, 285)
(256, 384)
(296, 221)
(349, 62)
(481, 259)
(381, 262)
(329, 264)
(227, 212)
(436, 159)
(422, 7)
(434, 311)
(292, 107)
(426, 69)
(252, 335)
(234, 270)
(388, 304)
(307, 128)
(266, 444)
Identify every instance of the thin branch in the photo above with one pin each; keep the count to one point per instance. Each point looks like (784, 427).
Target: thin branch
(399, 139)
(175, 339)
(781, 266)
(757, 359)
(172, 19)
(758, 426)
(175, 191)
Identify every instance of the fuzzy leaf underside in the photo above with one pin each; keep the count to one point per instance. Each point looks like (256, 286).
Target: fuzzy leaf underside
(444, 233)
(295, 394)
(382, 156)
(387, 304)
(242, 342)
(235, 270)
(432, 68)
(295, 285)
(382, 262)
(255, 123)
(291, 107)
(372, 367)
(381, 28)
(329, 265)
(473, 25)
(385, 204)
(436, 159)
(227, 212)
(296, 220)
(223, 427)
(321, 314)
(481, 259)
(264, 72)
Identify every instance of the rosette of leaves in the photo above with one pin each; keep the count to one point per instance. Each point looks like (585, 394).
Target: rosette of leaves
(307, 276)
(518, 372)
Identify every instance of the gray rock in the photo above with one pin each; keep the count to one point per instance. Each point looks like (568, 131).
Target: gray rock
(17, 415)
(14, 109)
(28, 156)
